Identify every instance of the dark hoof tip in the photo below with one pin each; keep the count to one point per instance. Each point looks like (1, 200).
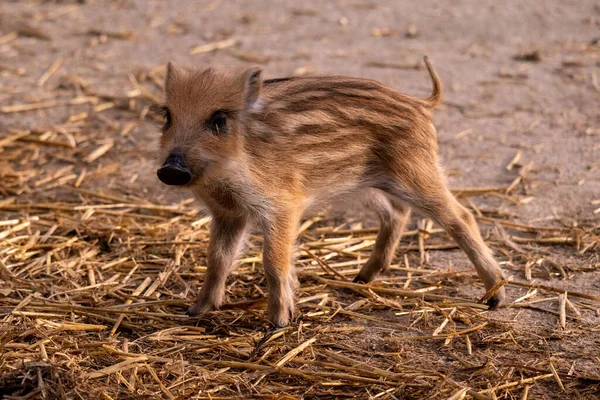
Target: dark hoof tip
(494, 303)
(192, 312)
(359, 279)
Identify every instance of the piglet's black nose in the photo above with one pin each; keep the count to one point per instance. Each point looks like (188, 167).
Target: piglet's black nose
(174, 171)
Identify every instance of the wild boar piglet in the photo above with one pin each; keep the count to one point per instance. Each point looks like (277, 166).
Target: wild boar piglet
(259, 153)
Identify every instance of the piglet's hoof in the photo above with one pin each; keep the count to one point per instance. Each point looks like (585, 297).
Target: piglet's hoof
(199, 308)
(494, 304)
(496, 300)
(360, 279)
(281, 314)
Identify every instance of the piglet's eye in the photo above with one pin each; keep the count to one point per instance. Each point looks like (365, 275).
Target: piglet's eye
(218, 122)
(165, 113)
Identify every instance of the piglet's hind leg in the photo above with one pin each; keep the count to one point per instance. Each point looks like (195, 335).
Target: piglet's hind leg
(393, 219)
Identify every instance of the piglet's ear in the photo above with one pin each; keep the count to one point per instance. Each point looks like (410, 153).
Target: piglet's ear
(173, 74)
(253, 85)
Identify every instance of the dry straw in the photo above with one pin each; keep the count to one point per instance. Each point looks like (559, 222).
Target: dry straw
(96, 275)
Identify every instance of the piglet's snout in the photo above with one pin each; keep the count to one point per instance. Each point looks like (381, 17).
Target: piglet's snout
(175, 171)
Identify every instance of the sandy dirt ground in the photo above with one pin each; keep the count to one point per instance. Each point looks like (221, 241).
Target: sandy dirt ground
(520, 112)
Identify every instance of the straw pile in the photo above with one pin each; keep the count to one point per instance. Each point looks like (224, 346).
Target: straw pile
(96, 275)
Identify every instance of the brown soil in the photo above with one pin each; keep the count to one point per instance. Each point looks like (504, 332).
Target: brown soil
(521, 78)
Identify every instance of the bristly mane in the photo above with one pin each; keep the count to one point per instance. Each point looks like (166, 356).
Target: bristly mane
(277, 80)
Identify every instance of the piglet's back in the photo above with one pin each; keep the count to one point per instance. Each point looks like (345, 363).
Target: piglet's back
(345, 101)
(328, 128)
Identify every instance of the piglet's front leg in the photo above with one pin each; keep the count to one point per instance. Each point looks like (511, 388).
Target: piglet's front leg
(226, 235)
(280, 236)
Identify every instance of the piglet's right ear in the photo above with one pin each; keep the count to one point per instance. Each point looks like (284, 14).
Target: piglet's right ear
(173, 74)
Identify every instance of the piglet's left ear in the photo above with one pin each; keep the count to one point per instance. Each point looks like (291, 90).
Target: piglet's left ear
(253, 85)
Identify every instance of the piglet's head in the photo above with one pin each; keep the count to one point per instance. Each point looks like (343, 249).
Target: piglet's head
(205, 113)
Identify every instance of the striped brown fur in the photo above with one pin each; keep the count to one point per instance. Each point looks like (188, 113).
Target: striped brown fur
(261, 153)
